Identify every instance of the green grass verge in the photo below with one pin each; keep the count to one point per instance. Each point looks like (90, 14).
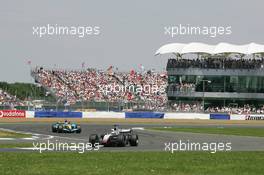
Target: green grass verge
(131, 163)
(9, 134)
(258, 132)
(15, 145)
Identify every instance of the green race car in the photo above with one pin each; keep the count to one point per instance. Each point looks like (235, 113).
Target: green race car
(66, 127)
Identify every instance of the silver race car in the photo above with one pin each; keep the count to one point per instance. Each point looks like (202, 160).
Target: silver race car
(117, 137)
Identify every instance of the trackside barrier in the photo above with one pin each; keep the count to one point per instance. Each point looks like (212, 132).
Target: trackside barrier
(12, 114)
(254, 117)
(144, 115)
(96, 114)
(186, 116)
(220, 116)
(247, 117)
(103, 115)
(30, 114)
(237, 117)
(56, 114)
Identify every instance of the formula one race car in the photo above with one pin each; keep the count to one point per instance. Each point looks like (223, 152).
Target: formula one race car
(66, 127)
(117, 137)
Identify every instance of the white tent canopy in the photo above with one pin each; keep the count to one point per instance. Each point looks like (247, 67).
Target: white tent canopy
(180, 48)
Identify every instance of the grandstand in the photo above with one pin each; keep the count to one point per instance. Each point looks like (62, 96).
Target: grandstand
(216, 78)
(97, 86)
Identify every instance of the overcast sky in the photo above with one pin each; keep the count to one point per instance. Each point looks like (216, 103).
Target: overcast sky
(130, 31)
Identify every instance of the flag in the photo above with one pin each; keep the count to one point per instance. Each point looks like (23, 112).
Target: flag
(83, 64)
(180, 80)
(29, 62)
(132, 72)
(110, 70)
(129, 96)
(163, 74)
(142, 67)
(139, 77)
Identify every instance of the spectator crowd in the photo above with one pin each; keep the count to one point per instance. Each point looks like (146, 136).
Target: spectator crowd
(98, 85)
(186, 107)
(75, 86)
(246, 109)
(198, 107)
(182, 87)
(9, 100)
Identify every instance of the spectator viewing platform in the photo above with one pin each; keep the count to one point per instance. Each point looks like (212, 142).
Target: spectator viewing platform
(215, 75)
(221, 59)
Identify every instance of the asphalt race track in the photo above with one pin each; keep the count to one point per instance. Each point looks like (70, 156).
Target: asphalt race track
(148, 140)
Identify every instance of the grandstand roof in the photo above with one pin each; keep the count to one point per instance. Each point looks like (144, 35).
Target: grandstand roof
(180, 48)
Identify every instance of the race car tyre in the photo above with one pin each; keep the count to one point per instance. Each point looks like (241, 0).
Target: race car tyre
(60, 129)
(121, 140)
(53, 129)
(93, 139)
(79, 131)
(102, 136)
(134, 140)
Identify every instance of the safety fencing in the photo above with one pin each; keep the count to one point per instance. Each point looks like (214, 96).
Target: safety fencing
(124, 115)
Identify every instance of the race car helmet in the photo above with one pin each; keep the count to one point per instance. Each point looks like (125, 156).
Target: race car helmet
(115, 127)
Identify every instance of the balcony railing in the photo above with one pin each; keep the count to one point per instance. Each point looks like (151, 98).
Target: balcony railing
(216, 95)
(220, 72)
